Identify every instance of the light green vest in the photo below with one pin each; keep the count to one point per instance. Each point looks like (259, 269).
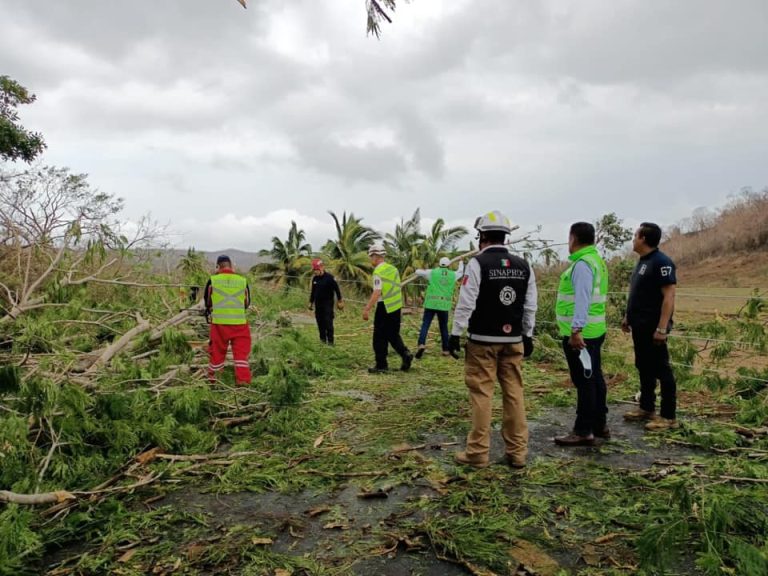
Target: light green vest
(228, 299)
(390, 286)
(440, 290)
(566, 295)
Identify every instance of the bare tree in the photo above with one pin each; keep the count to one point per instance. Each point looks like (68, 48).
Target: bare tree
(55, 228)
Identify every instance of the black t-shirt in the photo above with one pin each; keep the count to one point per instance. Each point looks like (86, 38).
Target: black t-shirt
(323, 289)
(653, 271)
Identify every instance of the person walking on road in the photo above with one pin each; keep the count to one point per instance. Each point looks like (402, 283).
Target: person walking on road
(227, 297)
(438, 301)
(650, 308)
(497, 306)
(321, 299)
(580, 311)
(388, 301)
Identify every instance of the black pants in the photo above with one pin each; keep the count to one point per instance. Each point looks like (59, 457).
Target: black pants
(652, 362)
(386, 331)
(591, 403)
(324, 317)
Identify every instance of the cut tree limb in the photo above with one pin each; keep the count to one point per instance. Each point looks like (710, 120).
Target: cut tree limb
(182, 316)
(34, 499)
(113, 349)
(455, 259)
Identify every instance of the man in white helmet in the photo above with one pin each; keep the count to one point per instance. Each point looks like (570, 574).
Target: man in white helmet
(388, 300)
(497, 307)
(438, 301)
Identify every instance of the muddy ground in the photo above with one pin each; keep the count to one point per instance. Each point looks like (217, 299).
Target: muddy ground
(326, 526)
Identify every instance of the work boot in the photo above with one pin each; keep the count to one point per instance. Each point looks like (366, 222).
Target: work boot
(407, 361)
(574, 439)
(604, 433)
(420, 352)
(377, 370)
(660, 424)
(514, 462)
(462, 458)
(639, 415)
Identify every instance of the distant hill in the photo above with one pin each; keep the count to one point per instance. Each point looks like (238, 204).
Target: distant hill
(726, 247)
(167, 260)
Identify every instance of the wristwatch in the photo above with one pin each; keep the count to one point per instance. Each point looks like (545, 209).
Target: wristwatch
(660, 331)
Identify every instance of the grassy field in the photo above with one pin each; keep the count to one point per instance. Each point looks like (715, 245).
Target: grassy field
(321, 468)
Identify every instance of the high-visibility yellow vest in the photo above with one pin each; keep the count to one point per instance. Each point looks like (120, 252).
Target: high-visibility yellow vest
(566, 295)
(391, 294)
(228, 299)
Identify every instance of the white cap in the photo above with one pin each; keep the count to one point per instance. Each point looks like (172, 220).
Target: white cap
(376, 248)
(444, 262)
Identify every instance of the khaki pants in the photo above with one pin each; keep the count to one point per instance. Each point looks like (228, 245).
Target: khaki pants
(484, 364)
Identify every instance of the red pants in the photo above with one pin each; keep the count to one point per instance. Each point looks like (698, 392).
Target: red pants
(240, 337)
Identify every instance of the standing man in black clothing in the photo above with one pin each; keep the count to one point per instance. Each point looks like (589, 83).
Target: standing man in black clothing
(324, 286)
(649, 317)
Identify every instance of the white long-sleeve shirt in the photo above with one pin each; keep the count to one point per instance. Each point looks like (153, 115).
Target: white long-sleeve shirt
(470, 289)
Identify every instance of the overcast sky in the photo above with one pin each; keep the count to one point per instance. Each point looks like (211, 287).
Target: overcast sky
(229, 123)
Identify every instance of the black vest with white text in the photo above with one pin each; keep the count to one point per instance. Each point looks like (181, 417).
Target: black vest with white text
(498, 314)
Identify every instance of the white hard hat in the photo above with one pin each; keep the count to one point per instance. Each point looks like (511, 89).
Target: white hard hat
(376, 248)
(493, 221)
(444, 262)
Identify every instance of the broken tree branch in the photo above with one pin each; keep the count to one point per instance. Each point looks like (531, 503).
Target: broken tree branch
(110, 351)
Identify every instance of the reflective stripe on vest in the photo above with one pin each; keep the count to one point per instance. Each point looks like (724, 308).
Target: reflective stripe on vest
(440, 290)
(391, 294)
(566, 295)
(494, 339)
(228, 299)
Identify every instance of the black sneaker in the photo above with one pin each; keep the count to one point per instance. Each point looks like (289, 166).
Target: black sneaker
(377, 370)
(420, 353)
(407, 361)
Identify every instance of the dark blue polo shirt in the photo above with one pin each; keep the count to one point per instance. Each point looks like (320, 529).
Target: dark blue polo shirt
(652, 272)
(323, 289)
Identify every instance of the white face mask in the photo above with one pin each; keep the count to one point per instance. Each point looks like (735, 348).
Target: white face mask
(586, 361)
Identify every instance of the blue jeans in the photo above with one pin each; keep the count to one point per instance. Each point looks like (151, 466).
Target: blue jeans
(442, 320)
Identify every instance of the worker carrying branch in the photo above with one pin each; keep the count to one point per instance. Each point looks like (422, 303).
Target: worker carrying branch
(227, 297)
(438, 301)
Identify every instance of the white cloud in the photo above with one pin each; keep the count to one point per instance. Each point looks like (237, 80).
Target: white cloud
(249, 232)
(551, 111)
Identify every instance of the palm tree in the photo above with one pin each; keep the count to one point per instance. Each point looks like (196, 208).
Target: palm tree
(194, 268)
(550, 256)
(403, 247)
(347, 253)
(289, 260)
(440, 241)
(376, 9)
